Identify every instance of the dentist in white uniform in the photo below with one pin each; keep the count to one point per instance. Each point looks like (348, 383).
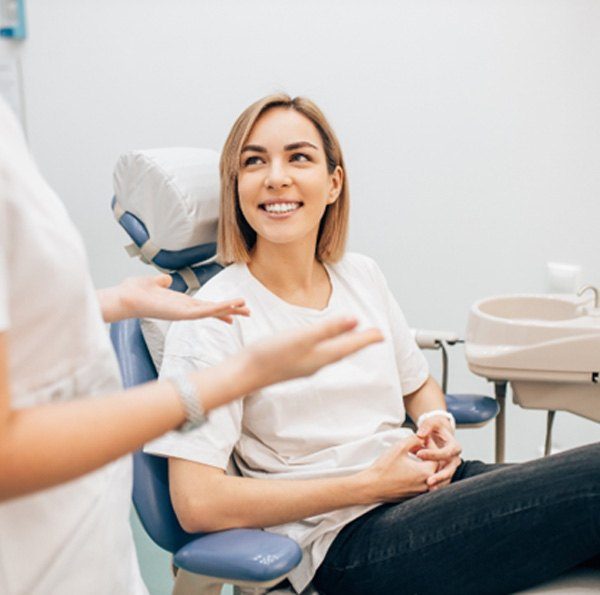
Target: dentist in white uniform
(65, 423)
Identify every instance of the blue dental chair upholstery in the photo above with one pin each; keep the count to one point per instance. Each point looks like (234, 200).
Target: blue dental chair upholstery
(247, 556)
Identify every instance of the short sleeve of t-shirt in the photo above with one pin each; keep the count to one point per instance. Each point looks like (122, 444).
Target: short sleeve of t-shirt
(412, 365)
(191, 346)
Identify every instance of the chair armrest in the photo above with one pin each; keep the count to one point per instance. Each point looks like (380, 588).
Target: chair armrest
(240, 554)
(431, 339)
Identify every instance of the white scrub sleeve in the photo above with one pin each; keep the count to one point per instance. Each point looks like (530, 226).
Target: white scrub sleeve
(191, 346)
(4, 317)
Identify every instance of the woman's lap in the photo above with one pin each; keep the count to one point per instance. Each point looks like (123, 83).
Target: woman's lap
(496, 529)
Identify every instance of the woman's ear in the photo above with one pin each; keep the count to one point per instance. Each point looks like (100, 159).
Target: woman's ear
(336, 183)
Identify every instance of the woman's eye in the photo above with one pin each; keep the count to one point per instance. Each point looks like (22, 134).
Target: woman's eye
(252, 160)
(300, 157)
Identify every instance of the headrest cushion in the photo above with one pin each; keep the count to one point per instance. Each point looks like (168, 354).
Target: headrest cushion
(174, 192)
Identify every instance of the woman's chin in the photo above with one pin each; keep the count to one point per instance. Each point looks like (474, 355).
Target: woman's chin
(283, 239)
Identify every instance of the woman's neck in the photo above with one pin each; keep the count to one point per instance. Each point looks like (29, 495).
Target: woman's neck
(292, 273)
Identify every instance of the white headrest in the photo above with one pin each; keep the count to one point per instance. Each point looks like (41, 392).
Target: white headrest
(174, 192)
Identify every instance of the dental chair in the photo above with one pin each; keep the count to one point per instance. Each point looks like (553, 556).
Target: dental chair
(167, 202)
(203, 562)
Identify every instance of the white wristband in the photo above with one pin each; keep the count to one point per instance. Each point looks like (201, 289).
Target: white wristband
(441, 412)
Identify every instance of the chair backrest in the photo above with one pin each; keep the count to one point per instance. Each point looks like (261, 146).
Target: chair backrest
(167, 202)
(150, 474)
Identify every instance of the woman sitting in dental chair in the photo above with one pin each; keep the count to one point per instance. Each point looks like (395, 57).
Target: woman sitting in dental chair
(326, 460)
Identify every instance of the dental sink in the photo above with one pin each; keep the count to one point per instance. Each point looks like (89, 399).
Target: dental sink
(530, 307)
(546, 346)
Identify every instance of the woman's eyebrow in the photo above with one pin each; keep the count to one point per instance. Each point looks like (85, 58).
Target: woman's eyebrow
(291, 147)
(299, 145)
(255, 148)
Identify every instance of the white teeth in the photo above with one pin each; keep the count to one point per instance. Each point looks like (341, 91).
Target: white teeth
(281, 207)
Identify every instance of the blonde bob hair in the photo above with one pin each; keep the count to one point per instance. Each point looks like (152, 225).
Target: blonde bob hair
(236, 238)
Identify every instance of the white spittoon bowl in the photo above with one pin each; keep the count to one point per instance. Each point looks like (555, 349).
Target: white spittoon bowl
(546, 346)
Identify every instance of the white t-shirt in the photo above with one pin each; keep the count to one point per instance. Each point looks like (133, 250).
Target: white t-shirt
(333, 423)
(73, 538)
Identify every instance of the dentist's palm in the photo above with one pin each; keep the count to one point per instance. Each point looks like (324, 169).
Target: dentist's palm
(303, 352)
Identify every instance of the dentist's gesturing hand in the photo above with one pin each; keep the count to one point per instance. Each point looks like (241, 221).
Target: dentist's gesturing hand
(441, 447)
(303, 352)
(150, 297)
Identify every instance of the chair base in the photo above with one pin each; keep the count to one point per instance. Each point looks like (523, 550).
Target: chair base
(188, 583)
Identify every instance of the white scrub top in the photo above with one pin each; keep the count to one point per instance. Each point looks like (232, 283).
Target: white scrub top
(74, 538)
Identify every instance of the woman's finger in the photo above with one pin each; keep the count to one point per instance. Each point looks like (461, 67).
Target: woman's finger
(410, 444)
(444, 474)
(440, 454)
(445, 433)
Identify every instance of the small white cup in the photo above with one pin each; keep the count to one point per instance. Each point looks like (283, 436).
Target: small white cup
(563, 277)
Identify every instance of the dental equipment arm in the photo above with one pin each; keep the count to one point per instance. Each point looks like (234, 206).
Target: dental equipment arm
(150, 297)
(45, 445)
(430, 339)
(433, 339)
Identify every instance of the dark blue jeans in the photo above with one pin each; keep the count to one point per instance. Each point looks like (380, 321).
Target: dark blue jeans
(495, 529)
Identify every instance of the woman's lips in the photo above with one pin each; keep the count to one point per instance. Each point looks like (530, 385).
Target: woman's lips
(281, 208)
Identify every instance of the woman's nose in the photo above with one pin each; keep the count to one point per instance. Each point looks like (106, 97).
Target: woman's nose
(277, 176)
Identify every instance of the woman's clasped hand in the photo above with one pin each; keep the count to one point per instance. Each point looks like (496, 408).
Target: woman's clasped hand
(423, 462)
(441, 447)
(398, 473)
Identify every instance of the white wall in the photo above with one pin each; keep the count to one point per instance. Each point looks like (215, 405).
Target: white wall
(471, 131)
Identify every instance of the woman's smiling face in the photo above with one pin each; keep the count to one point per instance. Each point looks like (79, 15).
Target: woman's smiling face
(284, 185)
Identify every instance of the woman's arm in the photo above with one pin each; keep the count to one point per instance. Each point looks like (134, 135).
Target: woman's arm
(49, 444)
(150, 297)
(206, 499)
(428, 397)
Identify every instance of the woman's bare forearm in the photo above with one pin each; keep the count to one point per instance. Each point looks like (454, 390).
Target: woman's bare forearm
(427, 397)
(205, 499)
(218, 501)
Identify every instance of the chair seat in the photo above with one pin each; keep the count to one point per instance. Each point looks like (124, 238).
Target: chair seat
(240, 554)
(472, 409)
